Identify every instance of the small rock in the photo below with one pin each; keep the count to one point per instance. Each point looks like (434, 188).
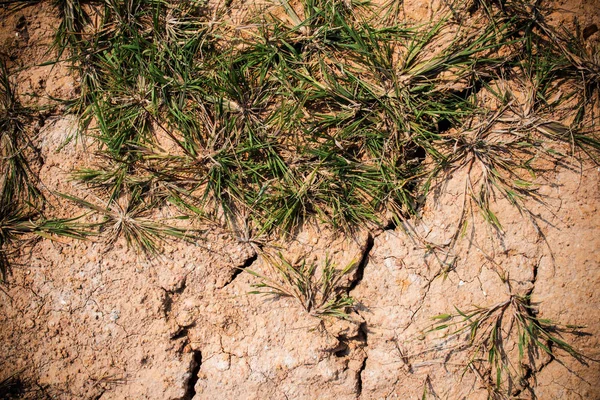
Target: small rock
(115, 315)
(185, 318)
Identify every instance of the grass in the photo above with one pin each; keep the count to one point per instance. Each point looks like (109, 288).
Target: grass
(73, 19)
(131, 222)
(17, 178)
(245, 111)
(21, 200)
(317, 111)
(491, 331)
(320, 291)
(322, 113)
(498, 154)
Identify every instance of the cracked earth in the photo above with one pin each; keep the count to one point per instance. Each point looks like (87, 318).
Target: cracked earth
(80, 319)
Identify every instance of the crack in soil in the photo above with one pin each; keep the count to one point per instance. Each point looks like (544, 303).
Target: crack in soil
(359, 381)
(362, 337)
(360, 269)
(170, 293)
(534, 278)
(532, 371)
(238, 270)
(390, 226)
(413, 314)
(363, 333)
(531, 375)
(182, 332)
(190, 385)
(343, 348)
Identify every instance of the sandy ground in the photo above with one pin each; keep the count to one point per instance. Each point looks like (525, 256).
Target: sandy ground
(85, 320)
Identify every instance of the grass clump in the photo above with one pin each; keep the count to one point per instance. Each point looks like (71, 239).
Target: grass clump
(326, 111)
(322, 112)
(131, 222)
(320, 291)
(490, 331)
(21, 201)
(319, 115)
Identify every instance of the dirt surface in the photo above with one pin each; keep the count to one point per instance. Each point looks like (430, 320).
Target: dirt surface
(89, 320)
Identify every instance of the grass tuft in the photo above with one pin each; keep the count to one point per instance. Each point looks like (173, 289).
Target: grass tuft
(21, 201)
(320, 292)
(491, 330)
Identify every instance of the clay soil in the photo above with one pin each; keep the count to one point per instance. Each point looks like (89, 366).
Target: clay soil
(89, 320)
